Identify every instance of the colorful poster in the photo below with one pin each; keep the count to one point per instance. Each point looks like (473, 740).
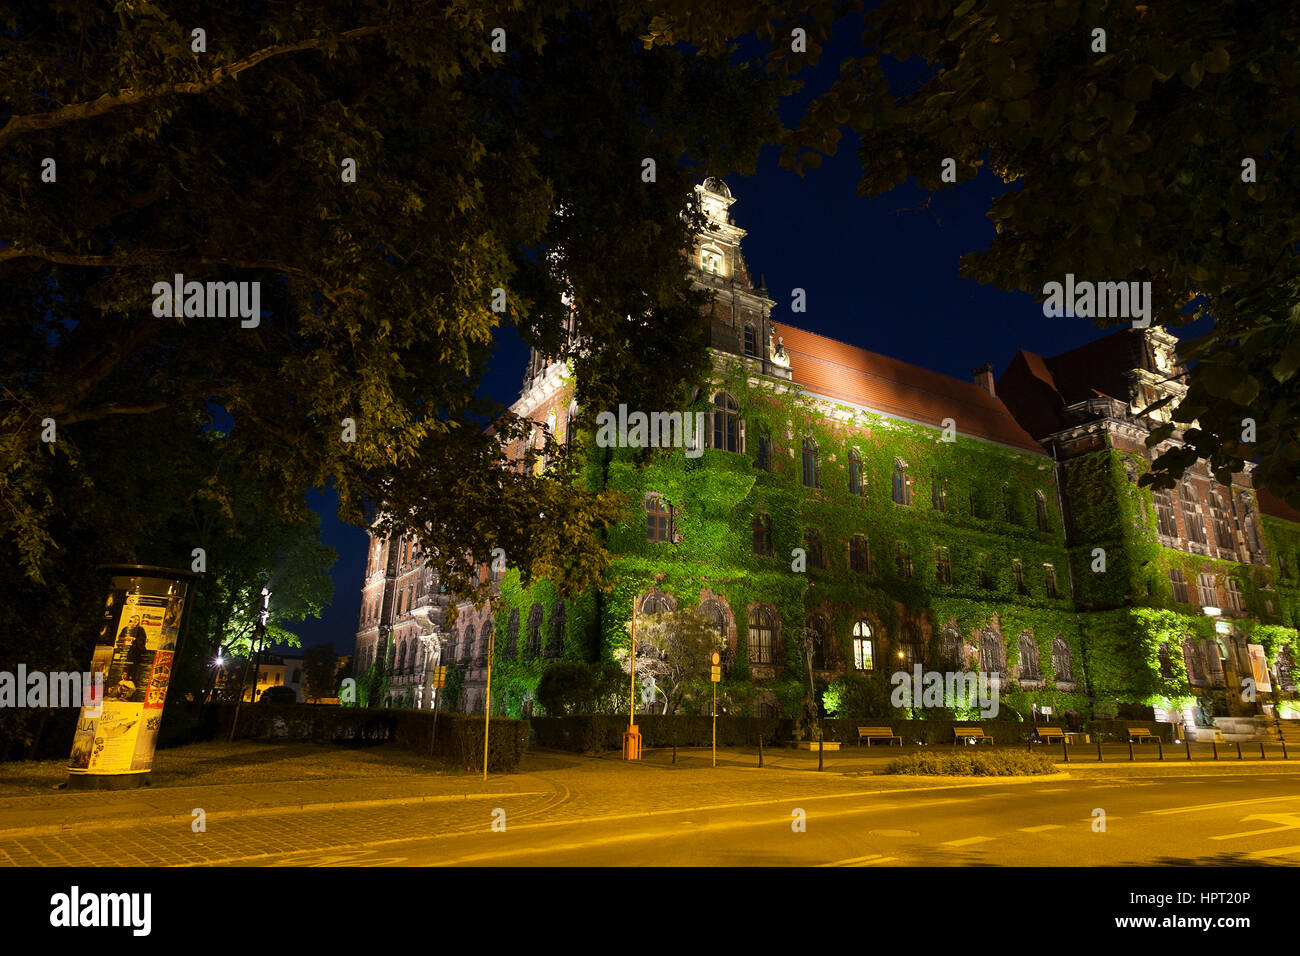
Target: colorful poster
(117, 734)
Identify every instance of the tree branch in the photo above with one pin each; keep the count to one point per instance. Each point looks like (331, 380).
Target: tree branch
(84, 110)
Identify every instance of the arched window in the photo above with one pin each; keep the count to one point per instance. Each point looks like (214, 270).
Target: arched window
(712, 260)
(812, 469)
(401, 659)
(512, 636)
(751, 340)
(911, 649)
(555, 636)
(1248, 527)
(1009, 510)
(658, 519)
(762, 528)
(484, 642)
(713, 612)
(1028, 666)
(1049, 580)
(1192, 658)
(991, 652)
(950, 648)
(726, 423)
(762, 635)
(860, 554)
(855, 472)
(1192, 519)
(1062, 666)
(535, 630)
(864, 648)
(656, 602)
(1166, 665)
(1040, 503)
(822, 651)
(901, 492)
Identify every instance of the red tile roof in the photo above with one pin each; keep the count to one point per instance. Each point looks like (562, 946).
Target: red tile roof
(852, 374)
(1274, 506)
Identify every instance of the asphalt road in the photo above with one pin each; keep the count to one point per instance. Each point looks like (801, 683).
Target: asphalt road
(1211, 818)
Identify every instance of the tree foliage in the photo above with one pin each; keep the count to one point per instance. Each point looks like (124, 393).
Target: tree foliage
(477, 170)
(319, 665)
(674, 648)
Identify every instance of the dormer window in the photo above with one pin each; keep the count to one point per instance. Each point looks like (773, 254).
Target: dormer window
(751, 340)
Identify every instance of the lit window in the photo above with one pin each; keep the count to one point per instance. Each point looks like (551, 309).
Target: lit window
(864, 652)
(762, 635)
(658, 519)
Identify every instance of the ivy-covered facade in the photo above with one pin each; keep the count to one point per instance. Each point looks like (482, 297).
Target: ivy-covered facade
(899, 518)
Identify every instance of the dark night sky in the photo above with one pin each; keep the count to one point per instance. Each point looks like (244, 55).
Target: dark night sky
(880, 274)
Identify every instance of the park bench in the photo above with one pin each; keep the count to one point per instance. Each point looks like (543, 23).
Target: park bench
(962, 734)
(1141, 735)
(1048, 734)
(870, 734)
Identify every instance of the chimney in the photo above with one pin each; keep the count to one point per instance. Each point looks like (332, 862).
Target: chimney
(984, 378)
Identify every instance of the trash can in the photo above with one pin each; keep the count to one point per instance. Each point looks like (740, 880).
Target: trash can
(631, 743)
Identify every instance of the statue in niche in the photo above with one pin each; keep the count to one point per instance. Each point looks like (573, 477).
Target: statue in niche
(776, 349)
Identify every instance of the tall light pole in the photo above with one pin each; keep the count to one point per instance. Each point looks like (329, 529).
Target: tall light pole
(487, 700)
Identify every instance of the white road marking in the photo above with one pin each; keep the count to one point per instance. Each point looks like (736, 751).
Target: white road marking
(1288, 821)
(966, 841)
(1222, 806)
(1046, 826)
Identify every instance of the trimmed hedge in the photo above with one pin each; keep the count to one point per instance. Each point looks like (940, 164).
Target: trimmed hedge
(459, 737)
(1004, 763)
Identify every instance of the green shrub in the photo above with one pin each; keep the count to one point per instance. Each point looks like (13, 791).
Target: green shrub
(1007, 763)
(278, 695)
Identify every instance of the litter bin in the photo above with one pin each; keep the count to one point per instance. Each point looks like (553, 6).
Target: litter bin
(631, 743)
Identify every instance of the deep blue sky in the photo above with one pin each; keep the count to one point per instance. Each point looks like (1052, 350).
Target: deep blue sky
(878, 274)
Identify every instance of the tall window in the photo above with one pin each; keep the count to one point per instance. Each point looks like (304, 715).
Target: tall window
(950, 648)
(1180, 585)
(903, 561)
(1049, 575)
(1062, 668)
(859, 554)
(821, 641)
(762, 527)
(555, 638)
(1192, 519)
(512, 637)
(1233, 591)
(1192, 657)
(1248, 528)
(535, 630)
(713, 612)
(1028, 667)
(991, 652)
(864, 650)
(938, 493)
(1166, 665)
(855, 472)
(762, 635)
(764, 459)
(1205, 593)
(1165, 523)
(1009, 510)
(901, 493)
(1040, 503)
(812, 542)
(812, 470)
(942, 566)
(726, 423)
(751, 341)
(1222, 522)
(1018, 570)
(658, 519)
(983, 573)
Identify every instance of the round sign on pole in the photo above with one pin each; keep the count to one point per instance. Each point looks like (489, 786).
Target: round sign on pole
(717, 658)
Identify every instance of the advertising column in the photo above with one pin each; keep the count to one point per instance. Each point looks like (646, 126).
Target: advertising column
(114, 742)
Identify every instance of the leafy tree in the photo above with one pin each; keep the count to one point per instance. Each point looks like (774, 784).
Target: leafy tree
(576, 687)
(319, 665)
(675, 648)
(278, 695)
(474, 173)
(1169, 158)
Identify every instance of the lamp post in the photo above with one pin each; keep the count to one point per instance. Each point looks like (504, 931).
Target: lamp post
(632, 739)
